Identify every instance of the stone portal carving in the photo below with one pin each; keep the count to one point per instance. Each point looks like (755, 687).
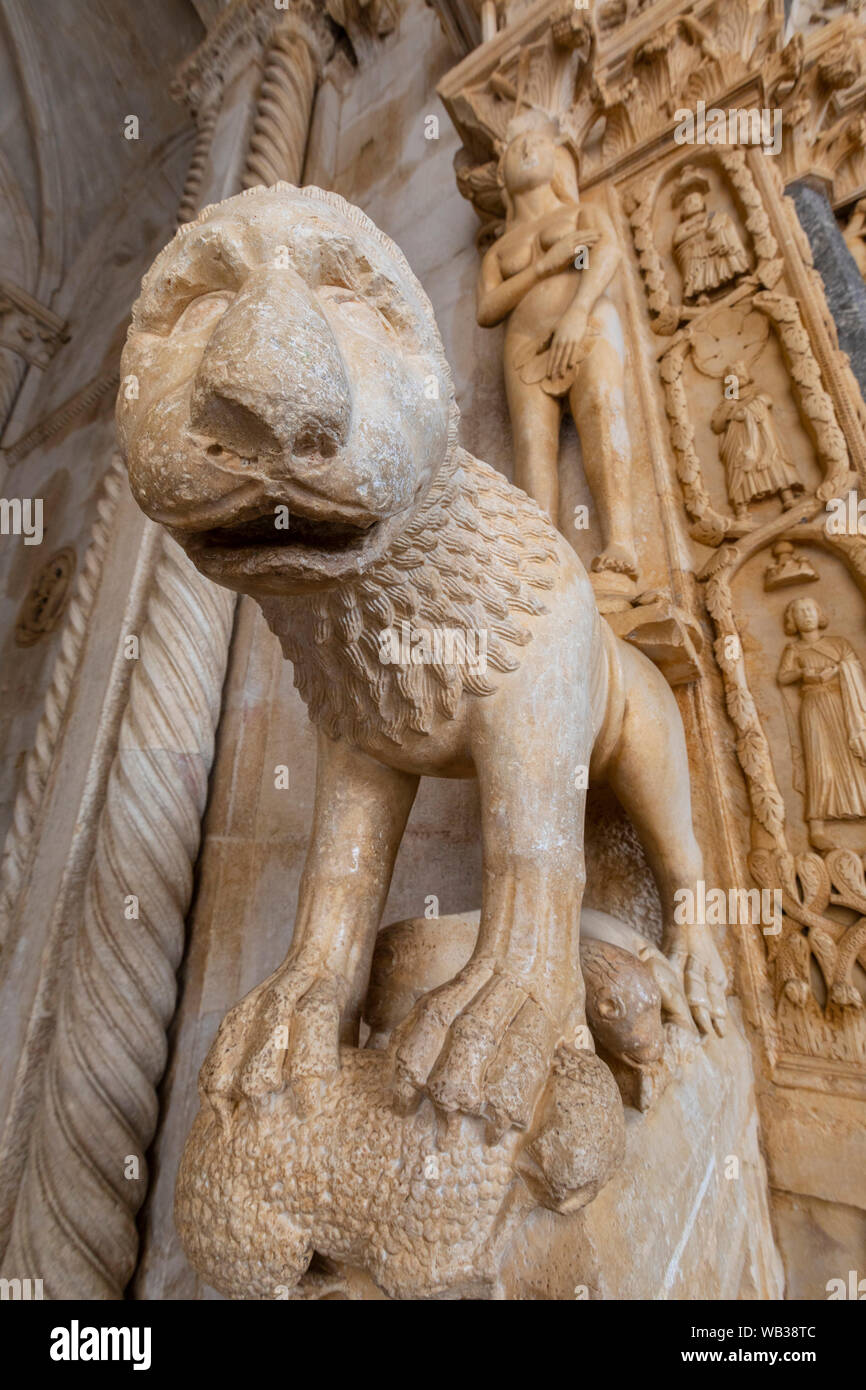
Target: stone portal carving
(104, 1063)
(625, 977)
(547, 277)
(756, 465)
(285, 354)
(745, 293)
(789, 566)
(707, 245)
(43, 606)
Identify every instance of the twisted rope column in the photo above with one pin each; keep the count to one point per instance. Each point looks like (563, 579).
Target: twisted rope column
(86, 1174)
(18, 847)
(279, 139)
(189, 201)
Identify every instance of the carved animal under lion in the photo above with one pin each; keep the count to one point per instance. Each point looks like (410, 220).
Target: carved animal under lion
(289, 365)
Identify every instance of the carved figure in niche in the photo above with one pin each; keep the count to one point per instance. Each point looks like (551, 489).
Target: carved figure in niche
(563, 338)
(756, 465)
(832, 717)
(265, 386)
(707, 246)
(789, 567)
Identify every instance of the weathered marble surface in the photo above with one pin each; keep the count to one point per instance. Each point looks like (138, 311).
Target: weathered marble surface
(82, 211)
(302, 385)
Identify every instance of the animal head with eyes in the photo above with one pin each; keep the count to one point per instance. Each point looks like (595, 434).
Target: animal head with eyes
(287, 366)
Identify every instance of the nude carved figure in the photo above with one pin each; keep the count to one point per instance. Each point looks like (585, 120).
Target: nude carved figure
(547, 278)
(287, 358)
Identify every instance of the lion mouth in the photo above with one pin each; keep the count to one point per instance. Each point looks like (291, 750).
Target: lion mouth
(282, 550)
(267, 531)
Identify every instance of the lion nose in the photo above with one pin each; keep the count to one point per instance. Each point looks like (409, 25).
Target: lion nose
(271, 383)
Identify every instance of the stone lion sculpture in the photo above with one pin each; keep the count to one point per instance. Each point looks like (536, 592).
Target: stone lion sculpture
(290, 370)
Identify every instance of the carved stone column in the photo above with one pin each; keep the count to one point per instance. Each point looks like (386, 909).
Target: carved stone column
(86, 1173)
(18, 845)
(293, 62)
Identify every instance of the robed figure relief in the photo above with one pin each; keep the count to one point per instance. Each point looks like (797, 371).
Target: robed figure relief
(832, 717)
(547, 277)
(706, 245)
(756, 465)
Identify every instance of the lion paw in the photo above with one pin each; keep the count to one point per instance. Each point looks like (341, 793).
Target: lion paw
(284, 1032)
(698, 964)
(481, 1045)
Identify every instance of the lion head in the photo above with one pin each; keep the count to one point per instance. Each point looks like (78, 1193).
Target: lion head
(285, 401)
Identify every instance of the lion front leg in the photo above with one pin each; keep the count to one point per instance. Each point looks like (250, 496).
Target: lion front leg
(484, 1043)
(288, 1029)
(649, 772)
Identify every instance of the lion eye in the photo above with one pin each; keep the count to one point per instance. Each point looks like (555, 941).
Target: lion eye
(356, 307)
(202, 310)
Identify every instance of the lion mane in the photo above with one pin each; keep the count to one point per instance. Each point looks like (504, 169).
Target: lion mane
(476, 555)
